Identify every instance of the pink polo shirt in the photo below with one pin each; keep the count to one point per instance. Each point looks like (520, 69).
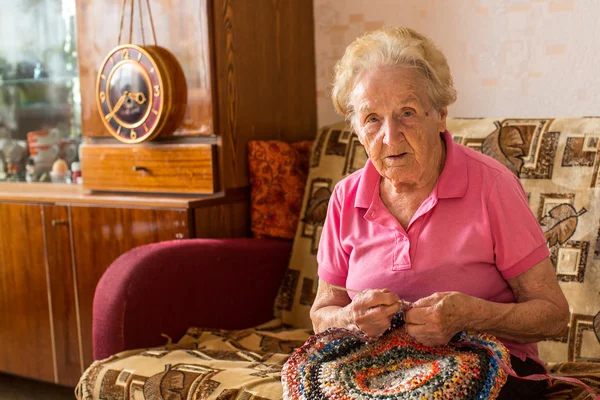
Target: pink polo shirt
(473, 232)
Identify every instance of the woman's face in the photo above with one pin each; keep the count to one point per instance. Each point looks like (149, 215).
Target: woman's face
(398, 125)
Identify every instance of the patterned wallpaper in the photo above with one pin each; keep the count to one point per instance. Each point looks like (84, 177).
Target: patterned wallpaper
(517, 58)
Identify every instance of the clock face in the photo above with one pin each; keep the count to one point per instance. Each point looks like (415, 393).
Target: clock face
(130, 94)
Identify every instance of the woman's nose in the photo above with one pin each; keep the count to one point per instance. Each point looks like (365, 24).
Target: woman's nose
(393, 133)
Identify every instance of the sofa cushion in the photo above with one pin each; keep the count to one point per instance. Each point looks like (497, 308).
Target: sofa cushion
(336, 153)
(277, 173)
(556, 160)
(204, 364)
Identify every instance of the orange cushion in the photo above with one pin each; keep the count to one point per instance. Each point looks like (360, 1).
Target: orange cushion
(278, 173)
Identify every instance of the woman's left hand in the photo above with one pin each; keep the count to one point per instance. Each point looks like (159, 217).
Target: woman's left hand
(434, 320)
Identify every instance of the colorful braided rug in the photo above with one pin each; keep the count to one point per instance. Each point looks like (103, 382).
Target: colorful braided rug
(342, 364)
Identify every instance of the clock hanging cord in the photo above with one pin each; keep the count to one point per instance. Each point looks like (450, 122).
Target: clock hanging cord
(141, 22)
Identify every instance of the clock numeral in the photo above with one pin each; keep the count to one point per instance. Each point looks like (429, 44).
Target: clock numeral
(132, 135)
(102, 97)
(119, 130)
(125, 54)
(156, 90)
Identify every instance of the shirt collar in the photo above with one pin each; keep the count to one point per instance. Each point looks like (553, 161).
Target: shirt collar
(452, 182)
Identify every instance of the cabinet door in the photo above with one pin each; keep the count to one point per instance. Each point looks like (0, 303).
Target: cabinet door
(100, 235)
(26, 338)
(63, 304)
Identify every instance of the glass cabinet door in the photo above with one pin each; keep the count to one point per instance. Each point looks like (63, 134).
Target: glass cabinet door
(40, 117)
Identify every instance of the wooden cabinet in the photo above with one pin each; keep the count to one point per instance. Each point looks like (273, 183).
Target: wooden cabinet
(102, 234)
(61, 281)
(25, 324)
(54, 248)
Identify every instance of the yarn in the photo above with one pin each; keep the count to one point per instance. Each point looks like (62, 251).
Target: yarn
(342, 364)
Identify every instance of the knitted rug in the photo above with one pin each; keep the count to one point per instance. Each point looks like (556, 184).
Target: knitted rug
(343, 364)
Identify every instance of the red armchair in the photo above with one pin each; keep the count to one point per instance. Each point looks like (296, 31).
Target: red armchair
(167, 287)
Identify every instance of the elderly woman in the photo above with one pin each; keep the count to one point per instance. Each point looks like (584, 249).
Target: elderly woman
(429, 221)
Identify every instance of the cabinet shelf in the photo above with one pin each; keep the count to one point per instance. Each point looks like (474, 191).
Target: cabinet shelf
(57, 79)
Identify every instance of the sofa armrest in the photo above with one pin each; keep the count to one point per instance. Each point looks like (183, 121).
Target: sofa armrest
(167, 287)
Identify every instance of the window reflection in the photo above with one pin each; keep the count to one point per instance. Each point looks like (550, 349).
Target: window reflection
(40, 117)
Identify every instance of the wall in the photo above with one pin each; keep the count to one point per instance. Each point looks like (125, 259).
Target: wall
(518, 58)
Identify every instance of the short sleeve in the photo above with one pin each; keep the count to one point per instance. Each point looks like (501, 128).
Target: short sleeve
(331, 257)
(519, 242)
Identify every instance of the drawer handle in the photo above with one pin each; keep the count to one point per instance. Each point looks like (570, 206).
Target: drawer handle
(140, 169)
(56, 222)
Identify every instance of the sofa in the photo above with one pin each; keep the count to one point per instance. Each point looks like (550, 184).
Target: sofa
(216, 319)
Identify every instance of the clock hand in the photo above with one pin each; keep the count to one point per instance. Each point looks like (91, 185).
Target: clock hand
(117, 106)
(139, 97)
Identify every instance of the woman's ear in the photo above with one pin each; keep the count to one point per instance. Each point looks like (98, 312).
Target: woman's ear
(443, 113)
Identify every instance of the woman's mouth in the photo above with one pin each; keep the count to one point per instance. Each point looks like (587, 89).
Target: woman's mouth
(395, 157)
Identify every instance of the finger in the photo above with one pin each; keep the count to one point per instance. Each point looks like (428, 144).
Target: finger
(423, 335)
(384, 311)
(416, 331)
(418, 316)
(427, 301)
(405, 305)
(375, 298)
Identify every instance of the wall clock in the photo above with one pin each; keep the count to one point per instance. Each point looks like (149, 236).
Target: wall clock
(140, 92)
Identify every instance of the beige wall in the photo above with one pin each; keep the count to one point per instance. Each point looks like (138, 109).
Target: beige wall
(513, 58)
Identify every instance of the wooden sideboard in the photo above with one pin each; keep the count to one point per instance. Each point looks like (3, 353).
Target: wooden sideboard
(56, 241)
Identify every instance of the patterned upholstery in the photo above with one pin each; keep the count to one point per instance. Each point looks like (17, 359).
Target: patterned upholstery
(556, 159)
(205, 364)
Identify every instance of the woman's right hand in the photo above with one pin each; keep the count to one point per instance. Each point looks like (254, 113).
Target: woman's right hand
(371, 311)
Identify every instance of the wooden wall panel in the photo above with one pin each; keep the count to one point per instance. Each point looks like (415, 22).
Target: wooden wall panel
(223, 220)
(25, 329)
(100, 235)
(62, 293)
(265, 72)
(182, 27)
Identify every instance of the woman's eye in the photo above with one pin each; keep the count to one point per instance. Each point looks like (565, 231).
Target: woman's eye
(407, 114)
(372, 119)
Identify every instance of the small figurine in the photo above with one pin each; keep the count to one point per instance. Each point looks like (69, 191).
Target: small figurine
(3, 167)
(76, 172)
(60, 172)
(30, 175)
